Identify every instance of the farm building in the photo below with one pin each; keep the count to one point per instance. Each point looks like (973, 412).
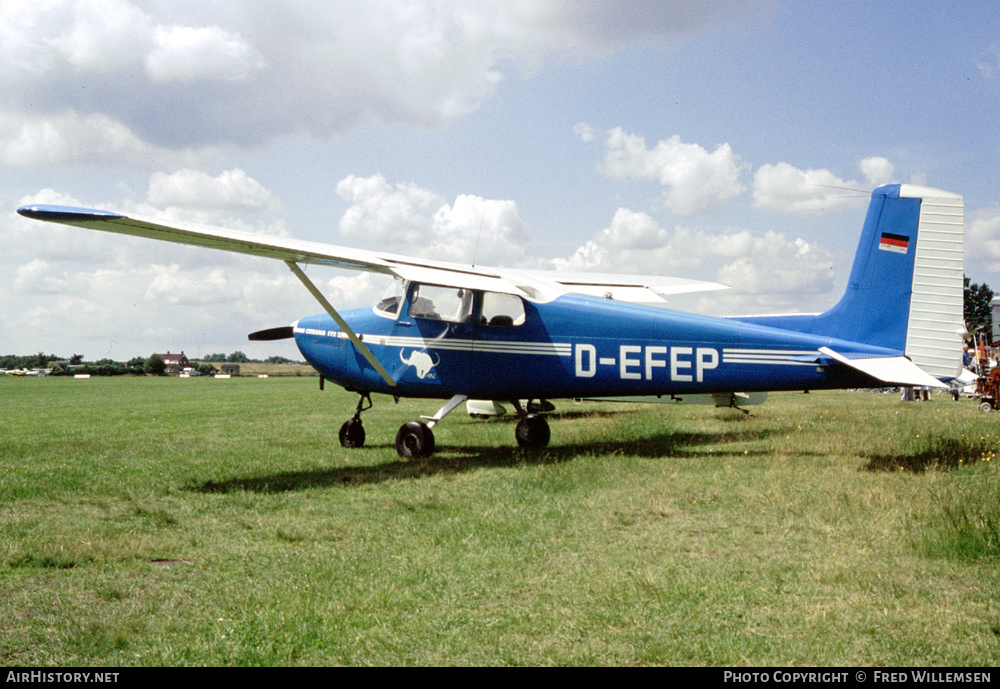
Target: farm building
(175, 363)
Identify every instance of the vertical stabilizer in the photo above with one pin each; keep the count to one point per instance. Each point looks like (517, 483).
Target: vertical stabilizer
(905, 291)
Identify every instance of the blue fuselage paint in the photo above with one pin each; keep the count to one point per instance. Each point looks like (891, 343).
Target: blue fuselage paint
(574, 347)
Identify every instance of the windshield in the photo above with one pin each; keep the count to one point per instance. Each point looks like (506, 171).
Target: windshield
(388, 305)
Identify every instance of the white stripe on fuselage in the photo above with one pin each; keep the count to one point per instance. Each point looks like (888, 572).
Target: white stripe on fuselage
(453, 344)
(776, 357)
(730, 355)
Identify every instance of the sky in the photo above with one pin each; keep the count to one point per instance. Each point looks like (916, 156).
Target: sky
(731, 141)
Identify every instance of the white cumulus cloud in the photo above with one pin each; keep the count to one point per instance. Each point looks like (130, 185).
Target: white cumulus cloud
(194, 189)
(766, 273)
(408, 219)
(695, 180)
(784, 187)
(877, 170)
(982, 241)
(187, 53)
(71, 137)
(188, 75)
(586, 133)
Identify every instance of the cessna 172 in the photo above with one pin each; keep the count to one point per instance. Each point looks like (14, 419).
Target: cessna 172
(458, 332)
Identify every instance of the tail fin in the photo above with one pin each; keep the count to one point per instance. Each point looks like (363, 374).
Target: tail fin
(905, 291)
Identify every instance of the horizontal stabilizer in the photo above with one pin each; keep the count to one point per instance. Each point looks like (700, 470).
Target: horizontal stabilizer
(966, 377)
(895, 370)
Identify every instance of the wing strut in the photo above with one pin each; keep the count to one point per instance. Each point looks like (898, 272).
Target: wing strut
(328, 307)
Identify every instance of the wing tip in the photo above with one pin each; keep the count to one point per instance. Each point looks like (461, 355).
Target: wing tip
(64, 213)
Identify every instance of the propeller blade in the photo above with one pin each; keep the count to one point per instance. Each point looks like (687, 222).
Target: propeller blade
(282, 333)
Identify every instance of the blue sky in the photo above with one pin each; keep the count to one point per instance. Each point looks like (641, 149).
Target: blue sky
(706, 140)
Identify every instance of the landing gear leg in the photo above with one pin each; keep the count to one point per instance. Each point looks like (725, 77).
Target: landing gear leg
(352, 433)
(532, 430)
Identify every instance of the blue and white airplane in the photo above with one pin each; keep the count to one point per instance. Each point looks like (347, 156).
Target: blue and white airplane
(457, 332)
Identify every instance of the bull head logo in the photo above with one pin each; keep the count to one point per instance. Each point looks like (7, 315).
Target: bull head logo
(421, 361)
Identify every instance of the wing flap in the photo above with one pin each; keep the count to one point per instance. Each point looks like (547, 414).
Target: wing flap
(454, 278)
(640, 289)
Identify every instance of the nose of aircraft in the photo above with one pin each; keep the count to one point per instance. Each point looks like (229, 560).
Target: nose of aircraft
(324, 346)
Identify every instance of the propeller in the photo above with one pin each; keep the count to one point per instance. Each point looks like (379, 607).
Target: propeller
(282, 333)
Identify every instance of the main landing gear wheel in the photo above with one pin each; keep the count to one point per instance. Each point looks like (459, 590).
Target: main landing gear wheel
(415, 440)
(352, 433)
(532, 432)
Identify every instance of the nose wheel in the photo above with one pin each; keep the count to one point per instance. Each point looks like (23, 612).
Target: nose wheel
(352, 433)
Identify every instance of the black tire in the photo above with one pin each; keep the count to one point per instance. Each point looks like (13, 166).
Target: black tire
(352, 434)
(532, 432)
(414, 440)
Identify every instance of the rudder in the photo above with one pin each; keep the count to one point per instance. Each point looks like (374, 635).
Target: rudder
(936, 324)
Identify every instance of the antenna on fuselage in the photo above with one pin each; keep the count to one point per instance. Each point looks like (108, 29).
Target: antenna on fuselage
(479, 236)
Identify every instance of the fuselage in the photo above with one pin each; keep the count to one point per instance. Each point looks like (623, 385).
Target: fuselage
(570, 347)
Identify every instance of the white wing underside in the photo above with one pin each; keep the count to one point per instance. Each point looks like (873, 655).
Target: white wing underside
(540, 285)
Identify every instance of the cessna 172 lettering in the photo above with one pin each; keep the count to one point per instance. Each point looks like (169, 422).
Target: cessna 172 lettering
(458, 333)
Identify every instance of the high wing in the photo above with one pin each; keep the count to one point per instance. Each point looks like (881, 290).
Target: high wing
(542, 285)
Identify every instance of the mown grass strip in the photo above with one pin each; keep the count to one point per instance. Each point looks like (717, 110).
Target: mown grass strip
(161, 521)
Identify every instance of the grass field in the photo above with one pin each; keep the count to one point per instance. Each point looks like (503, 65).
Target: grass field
(204, 522)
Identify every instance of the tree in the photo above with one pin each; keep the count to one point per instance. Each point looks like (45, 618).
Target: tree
(136, 366)
(278, 360)
(155, 365)
(978, 308)
(40, 360)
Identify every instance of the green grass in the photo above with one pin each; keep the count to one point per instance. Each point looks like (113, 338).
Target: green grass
(218, 522)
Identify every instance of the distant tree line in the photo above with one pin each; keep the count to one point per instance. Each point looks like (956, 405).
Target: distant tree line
(137, 366)
(40, 360)
(241, 358)
(978, 308)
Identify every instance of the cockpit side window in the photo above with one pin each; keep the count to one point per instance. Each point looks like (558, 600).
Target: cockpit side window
(501, 310)
(449, 304)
